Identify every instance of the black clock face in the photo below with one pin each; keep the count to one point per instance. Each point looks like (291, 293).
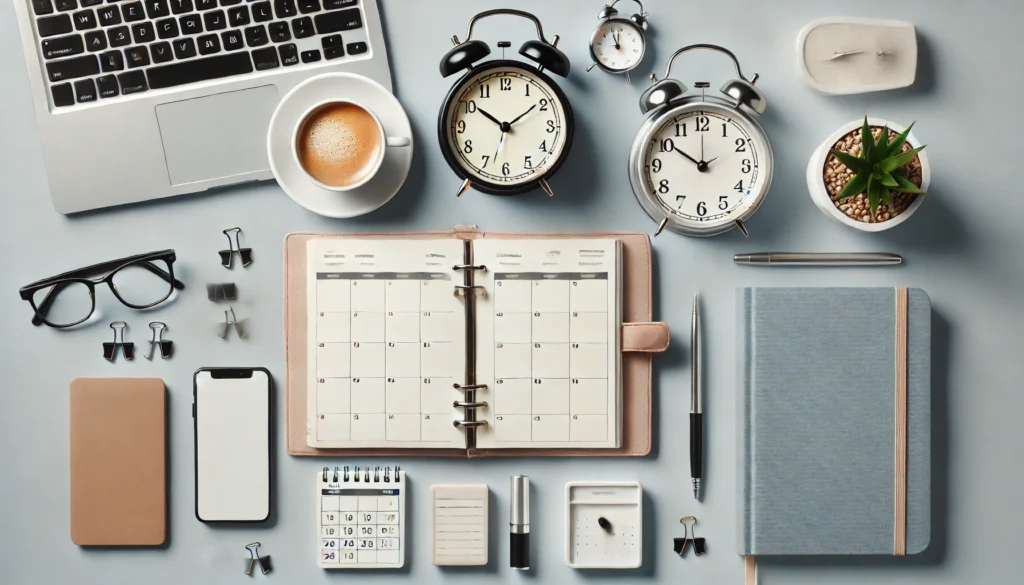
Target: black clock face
(505, 126)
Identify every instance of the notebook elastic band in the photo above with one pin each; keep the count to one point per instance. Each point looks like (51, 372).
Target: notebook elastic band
(900, 515)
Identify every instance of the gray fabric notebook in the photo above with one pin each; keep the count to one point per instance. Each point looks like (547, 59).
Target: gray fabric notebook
(816, 421)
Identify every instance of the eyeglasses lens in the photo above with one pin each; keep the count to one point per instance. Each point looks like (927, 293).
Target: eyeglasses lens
(141, 284)
(69, 303)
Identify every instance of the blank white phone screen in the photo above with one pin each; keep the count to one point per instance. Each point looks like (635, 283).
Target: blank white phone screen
(232, 447)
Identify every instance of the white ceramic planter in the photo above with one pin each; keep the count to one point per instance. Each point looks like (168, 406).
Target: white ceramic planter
(820, 196)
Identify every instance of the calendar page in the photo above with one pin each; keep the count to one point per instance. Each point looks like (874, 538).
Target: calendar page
(386, 343)
(548, 343)
(361, 518)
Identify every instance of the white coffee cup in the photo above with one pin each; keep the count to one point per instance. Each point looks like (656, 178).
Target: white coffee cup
(385, 142)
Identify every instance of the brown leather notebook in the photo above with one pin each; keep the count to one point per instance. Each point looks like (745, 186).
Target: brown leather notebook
(118, 462)
(637, 339)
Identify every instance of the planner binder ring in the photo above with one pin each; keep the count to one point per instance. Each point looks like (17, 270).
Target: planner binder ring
(458, 404)
(464, 290)
(469, 423)
(480, 267)
(470, 386)
(346, 472)
(376, 473)
(335, 475)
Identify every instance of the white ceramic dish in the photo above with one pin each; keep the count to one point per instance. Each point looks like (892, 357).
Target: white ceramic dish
(816, 186)
(297, 184)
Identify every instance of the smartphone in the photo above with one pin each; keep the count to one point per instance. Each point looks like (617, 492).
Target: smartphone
(231, 408)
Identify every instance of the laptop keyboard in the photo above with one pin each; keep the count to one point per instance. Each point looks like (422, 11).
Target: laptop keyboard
(94, 50)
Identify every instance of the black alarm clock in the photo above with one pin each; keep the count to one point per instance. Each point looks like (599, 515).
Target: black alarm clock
(505, 127)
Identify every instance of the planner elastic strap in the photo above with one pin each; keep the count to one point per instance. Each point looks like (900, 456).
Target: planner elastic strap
(749, 570)
(900, 514)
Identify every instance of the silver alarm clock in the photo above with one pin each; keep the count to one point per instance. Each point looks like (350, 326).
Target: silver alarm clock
(701, 165)
(618, 44)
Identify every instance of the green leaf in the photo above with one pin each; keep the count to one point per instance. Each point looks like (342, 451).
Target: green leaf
(881, 147)
(867, 141)
(874, 195)
(891, 164)
(858, 184)
(897, 143)
(906, 186)
(887, 197)
(887, 180)
(856, 164)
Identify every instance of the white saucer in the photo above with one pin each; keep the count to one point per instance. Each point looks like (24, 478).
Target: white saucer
(295, 182)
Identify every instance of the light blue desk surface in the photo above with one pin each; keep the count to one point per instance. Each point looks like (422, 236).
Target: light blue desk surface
(964, 247)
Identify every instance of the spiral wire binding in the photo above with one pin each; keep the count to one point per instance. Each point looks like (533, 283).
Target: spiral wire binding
(360, 474)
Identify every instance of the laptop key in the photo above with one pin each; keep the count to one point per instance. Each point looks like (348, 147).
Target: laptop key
(84, 20)
(302, 27)
(283, 8)
(132, 11)
(181, 6)
(119, 36)
(137, 57)
(206, 4)
(342, 20)
(143, 32)
(337, 4)
(132, 82)
(109, 15)
(199, 70)
(232, 40)
(65, 5)
(238, 16)
(85, 90)
(191, 24)
(42, 7)
(87, 3)
(308, 6)
(72, 68)
(310, 56)
(215, 20)
(356, 48)
(62, 47)
(230, 2)
(279, 32)
(95, 40)
(161, 52)
(184, 48)
(208, 44)
(112, 61)
(265, 59)
(167, 28)
(334, 53)
(256, 36)
(289, 54)
(57, 24)
(107, 86)
(63, 95)
(261, 12)
(157, 8)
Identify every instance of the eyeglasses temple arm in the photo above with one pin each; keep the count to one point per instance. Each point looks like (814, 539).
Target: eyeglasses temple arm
(166, 276)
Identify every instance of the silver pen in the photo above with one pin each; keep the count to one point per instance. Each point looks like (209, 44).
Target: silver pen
(696, 416)
(794, 259)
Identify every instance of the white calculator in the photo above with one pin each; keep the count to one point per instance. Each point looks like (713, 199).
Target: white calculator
(361, 515)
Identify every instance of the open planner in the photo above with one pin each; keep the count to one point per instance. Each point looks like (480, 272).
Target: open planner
(451, 344)
(467, 343)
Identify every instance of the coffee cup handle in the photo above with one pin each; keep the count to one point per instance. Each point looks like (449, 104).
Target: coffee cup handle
(398, 141)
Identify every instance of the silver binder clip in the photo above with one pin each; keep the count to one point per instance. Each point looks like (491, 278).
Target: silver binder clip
(166, 347)
(254, 558)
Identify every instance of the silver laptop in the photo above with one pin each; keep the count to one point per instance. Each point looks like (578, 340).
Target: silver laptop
(143, 99)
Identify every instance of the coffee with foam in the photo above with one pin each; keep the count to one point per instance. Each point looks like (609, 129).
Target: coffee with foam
(339, 144)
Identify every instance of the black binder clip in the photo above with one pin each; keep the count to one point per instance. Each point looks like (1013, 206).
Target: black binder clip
(166, 347)
(679, 545)
(110, 348)
(235, 248)
(254, 558)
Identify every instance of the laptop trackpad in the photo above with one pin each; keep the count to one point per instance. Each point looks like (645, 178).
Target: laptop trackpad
(217, 136)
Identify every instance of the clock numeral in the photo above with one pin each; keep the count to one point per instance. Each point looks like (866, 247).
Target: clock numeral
(738, 186)
(746, 165)
(702, 123)
(544, 146)
(663, 186)
(723, 202)
(543, 104)
(506, 84)
(702, 209)
(486, 159)
(667, 145)
(741, 145)
(681, 129)
(485, 91)
(725, 130)
(527, 89)
(505, 169)
(681, 199)
(461, 126)
(467, 146)
(656, 165)
(527, 163)
(551, 126)
(470, 106)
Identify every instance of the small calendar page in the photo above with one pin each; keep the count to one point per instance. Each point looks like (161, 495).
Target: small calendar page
(548, 343)
(361, 518)
(386, 343)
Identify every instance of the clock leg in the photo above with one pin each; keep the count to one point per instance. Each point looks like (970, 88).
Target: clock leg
(547, 188)
(661, 227)
(742, 228)
(591, 67)
(628, 80)
(465, 187)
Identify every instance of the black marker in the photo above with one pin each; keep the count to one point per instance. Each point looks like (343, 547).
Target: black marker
(519, 523)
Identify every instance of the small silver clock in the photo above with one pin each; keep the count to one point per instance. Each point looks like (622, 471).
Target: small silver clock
(618, 44)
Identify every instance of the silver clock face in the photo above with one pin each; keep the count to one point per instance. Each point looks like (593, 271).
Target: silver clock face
(617, 45)
(703, 165)
(506, 127)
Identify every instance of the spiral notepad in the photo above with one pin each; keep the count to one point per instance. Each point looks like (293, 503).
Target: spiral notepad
(460, 344)
(361, 515)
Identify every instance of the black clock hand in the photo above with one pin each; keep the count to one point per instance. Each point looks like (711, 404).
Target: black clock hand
(702, 147)
(520, 116)
(712, 160)
(688, 157)
(488, 116)
(615, 39)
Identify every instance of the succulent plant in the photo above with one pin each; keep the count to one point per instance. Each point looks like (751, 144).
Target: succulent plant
(879, 168)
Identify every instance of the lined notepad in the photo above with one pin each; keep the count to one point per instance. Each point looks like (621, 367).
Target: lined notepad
(459, 520)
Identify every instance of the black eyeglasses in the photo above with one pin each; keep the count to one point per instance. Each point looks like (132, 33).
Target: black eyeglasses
(68, 299)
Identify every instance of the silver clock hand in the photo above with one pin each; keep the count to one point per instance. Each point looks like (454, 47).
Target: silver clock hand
(500, 142)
